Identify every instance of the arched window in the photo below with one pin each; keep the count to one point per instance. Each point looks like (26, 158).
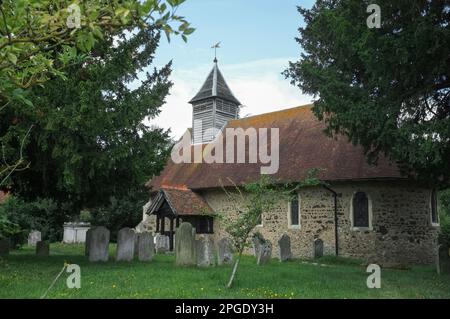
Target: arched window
(294, 212)
(361, 218)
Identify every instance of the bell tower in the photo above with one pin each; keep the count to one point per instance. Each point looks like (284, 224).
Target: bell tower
(213, 106)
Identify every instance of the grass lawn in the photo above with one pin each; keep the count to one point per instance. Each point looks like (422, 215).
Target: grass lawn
(24, 275)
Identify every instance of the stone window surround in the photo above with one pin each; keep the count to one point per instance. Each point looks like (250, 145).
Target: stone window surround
(369, 199)
(433, 224)
(299, 226)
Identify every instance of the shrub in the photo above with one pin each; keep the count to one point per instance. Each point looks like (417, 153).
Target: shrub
(119, 213)
(43, 214)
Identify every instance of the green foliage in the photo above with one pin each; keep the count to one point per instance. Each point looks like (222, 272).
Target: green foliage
(119, 213)
(85, 216)
(42, 39)
(42, 214)
(250, 201)
(90, 140)
(7, 228)
(387, 89)
(444, 216)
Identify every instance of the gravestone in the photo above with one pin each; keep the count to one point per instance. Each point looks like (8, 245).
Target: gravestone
(87, 242)
(33, 237)
(256, 245)
(185, 249)
(162, 243)
(99, 244)
(4, 246)
(136, 243)
(443, 260)
(146, 246)
(205, 251)
(284, 244)
(42, 248)
(264, 253)
(125, 244)
(224, 252)
(318, 248)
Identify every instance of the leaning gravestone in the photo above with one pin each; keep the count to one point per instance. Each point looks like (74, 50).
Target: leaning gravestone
(205, 251)
(33, 237)
(42, 248)
(162, 243)
(87, 242)
(4, 246)
(125, 244)
(318, 248)
(99, 244)
(224, 252)
(284, 244)
(185, 254)
(146, 246)
(265, 253)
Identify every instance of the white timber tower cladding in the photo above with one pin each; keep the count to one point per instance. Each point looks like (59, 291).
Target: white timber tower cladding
(213, 106)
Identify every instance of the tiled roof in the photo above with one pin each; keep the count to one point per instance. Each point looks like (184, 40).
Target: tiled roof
(181, 201)
(303, 146)
(215, 86)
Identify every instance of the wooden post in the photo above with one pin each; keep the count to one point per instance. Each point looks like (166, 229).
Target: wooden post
(157, 224)
(178, 222)
(171, 234)
(163, 224)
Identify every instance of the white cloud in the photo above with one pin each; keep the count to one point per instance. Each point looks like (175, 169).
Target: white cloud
(258, 85)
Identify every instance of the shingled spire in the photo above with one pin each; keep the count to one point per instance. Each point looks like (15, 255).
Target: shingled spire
(214, 105)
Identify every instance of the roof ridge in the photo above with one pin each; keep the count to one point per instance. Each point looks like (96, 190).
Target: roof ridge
(310, 105)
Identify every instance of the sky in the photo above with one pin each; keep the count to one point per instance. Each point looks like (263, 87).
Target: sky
(257, 42)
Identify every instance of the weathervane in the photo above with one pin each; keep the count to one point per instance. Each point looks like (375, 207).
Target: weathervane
(215, 47)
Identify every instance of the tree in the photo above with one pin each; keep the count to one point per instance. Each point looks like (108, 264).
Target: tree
(387, 88)
(40, 39)
(89, 140)
(249, 202)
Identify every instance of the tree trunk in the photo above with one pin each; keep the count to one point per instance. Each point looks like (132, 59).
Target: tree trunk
(233, 273)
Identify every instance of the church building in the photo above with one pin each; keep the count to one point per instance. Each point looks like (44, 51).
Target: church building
(362, 211)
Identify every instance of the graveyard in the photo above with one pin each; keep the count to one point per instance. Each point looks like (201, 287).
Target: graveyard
(25, 275)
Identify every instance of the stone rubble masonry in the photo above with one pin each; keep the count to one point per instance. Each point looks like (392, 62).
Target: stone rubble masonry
(401, 230)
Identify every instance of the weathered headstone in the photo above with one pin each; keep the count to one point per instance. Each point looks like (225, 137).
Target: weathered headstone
(265, 253)
(256, 242)
(99, 244)
(205, 251)
(224, 252)
(284, 244)
(162, 243)
(136, 243)
(185, 250)
(4, 246)
(42, 248)
(443, 260)
(125, 244)
(33, 237)
(87, 242)
(318, 248)
(146, 246)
